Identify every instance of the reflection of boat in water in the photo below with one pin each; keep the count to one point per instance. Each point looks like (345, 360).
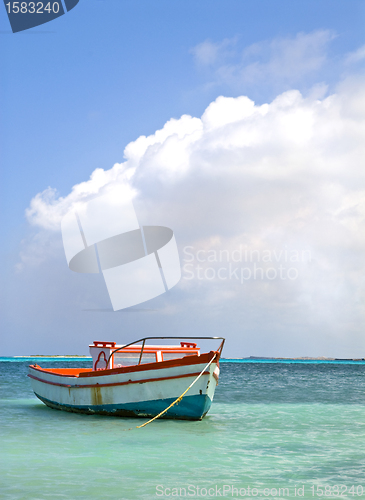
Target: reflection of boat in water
(134, 380)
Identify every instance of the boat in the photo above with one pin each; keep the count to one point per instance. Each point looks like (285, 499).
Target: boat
(135, 380)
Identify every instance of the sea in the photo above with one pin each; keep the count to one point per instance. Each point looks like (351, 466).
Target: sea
(275, 430)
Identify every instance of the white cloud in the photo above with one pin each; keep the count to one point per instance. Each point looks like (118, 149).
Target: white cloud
(294, 57)
(293, 145)
(283, 176)
(209, 53)
(356, 56)
(281, 62)
(47, 209)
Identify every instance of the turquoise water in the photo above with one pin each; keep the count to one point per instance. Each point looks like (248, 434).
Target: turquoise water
(299, 426)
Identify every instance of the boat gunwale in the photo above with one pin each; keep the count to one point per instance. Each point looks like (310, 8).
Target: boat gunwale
(58, 371)
(193, 359)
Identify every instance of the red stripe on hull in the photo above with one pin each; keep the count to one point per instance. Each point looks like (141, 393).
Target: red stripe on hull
(143, 381)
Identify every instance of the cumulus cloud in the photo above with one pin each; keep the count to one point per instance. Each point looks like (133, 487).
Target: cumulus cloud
(282, 181)
(47, 208)
(307, 149)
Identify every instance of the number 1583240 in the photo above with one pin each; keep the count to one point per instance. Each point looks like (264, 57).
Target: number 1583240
(337, 490)
(32, 7)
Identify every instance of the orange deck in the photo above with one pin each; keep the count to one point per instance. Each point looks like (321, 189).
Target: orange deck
(66, 372)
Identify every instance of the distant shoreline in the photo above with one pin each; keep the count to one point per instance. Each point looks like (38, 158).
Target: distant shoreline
(249, 358)
(51, 356)
(307, 358)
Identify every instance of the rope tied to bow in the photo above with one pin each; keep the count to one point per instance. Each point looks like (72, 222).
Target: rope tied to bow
(180, 397)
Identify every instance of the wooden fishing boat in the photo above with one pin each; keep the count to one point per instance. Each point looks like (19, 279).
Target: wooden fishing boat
(135, 380)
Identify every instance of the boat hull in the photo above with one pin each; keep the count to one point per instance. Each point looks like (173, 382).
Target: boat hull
(142, 391)
(190, 408)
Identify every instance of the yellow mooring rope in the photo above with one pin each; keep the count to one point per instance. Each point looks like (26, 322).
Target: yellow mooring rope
(180, 397)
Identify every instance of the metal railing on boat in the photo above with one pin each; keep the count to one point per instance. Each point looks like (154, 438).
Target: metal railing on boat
(143, 340)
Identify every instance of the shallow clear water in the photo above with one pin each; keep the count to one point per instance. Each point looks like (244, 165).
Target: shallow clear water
(271, 426)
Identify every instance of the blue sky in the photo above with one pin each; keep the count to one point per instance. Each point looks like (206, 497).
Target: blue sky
(76, 91)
